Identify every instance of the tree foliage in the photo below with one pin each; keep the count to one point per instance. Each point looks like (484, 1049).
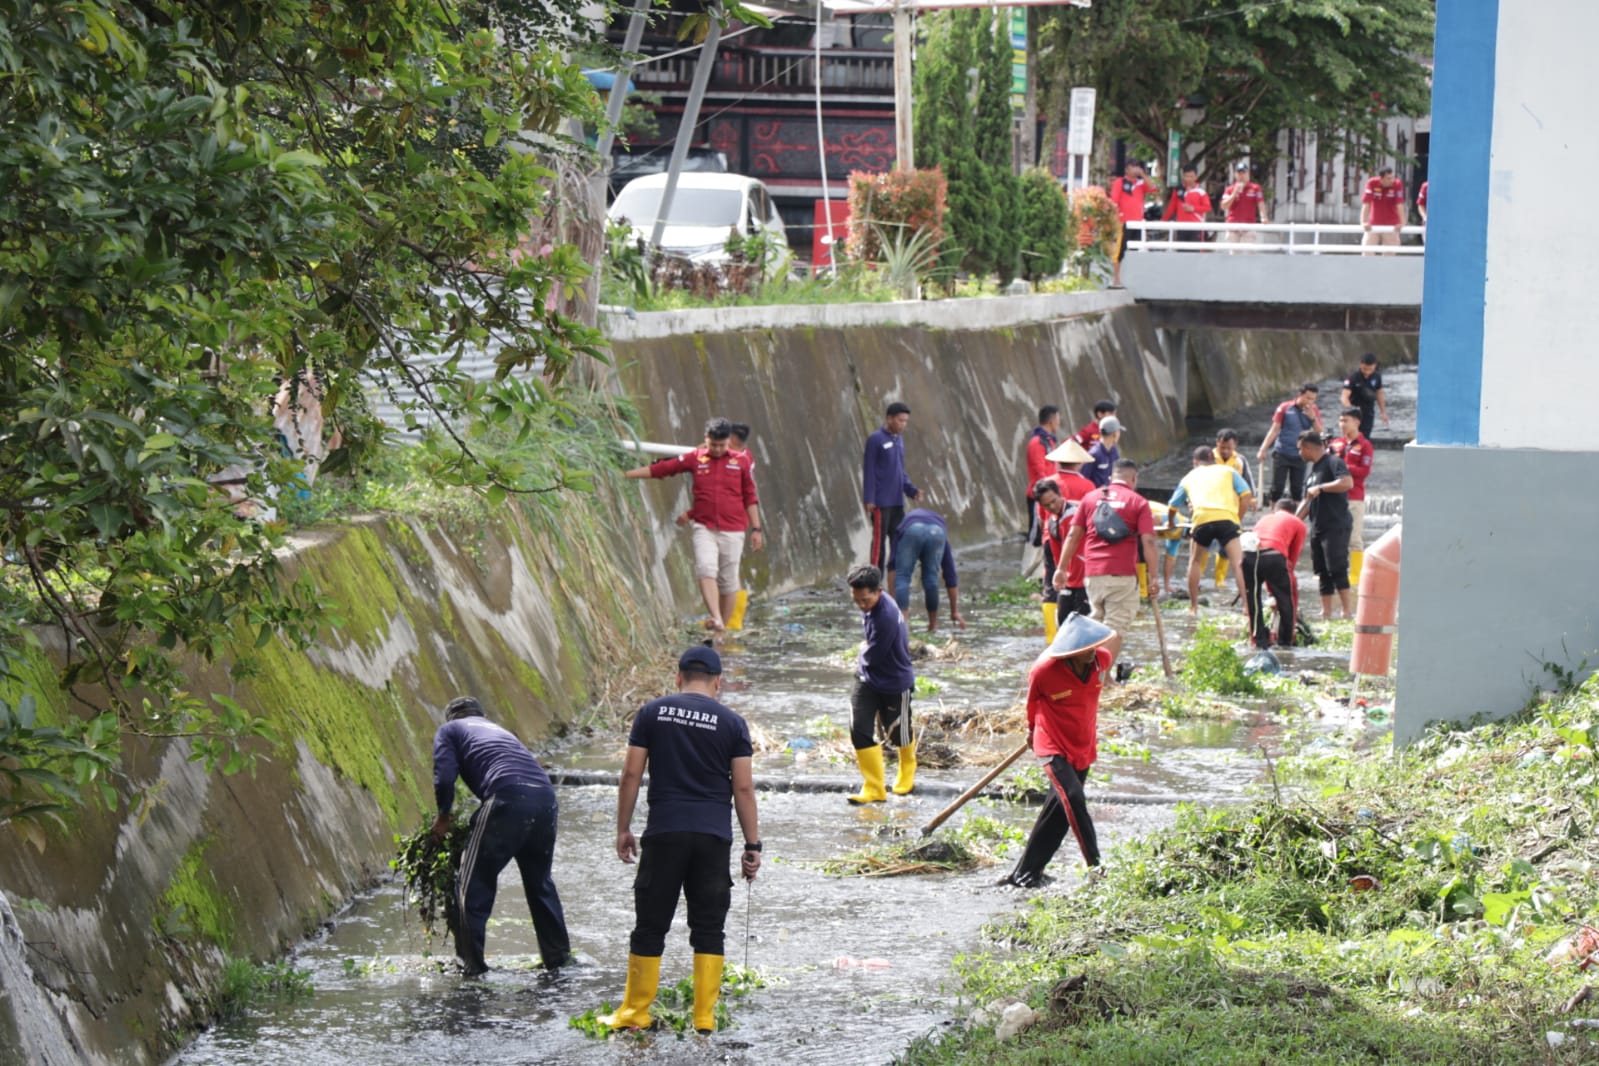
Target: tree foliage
(1230, 75)
(949, 78)
(1042, 212)
(203, 200)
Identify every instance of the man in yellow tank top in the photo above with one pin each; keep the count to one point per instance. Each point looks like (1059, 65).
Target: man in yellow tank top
(1218, 496)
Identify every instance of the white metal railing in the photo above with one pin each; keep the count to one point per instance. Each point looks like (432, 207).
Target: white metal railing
(651, 448)
(1274, 238)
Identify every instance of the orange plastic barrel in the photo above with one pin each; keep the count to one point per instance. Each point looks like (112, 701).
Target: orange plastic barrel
(1377, 612)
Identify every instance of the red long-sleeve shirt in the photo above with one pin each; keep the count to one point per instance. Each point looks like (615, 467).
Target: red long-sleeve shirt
(1358, 455)
(1040, 444)
(723, 487)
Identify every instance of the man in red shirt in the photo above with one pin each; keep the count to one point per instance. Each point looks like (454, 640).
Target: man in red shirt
(1128, 193)
(1063, 690)
(1382, 208)
(1279, 537)
(1040, 443)
(1063, 579)
(1111, 565)
(1088, 436)
(1190, 203)
(1421, 203)
(1358, 455)
(725, 505)
(1244, 201)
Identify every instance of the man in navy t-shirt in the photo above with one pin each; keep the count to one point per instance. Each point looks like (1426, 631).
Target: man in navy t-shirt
(698, 754)
(516, 821)
(884, 679)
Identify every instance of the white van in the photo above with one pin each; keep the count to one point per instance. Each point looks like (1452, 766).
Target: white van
(706, 210)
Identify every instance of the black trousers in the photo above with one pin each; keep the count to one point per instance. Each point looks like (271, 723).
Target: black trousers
(1069, 601)
(1329, 558)
(1066, 807)
(1290, 472)
(693, 865)
(869, 706)
(516, 823)
(1035, 529)
(1368, 419)
(885, 534)
(1265, 570)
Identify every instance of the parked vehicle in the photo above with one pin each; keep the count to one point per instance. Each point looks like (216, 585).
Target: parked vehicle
(707, 210)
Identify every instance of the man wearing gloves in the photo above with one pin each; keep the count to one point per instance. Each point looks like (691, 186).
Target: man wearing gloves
(698, 755)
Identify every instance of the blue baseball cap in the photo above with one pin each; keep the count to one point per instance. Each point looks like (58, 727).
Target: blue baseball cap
(700, 658)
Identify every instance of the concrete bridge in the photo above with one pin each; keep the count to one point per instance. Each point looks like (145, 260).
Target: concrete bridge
(1290, 277)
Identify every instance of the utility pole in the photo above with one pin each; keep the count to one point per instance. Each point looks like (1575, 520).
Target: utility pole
(904, 144)
(691, 118)
(618, 97)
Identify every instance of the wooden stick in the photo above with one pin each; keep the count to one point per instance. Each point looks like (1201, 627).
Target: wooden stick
(1160, 635)
(965, 797)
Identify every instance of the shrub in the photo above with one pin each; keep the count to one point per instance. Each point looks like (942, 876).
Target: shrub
(905, 200)
(1097, 224)
(1045, 213)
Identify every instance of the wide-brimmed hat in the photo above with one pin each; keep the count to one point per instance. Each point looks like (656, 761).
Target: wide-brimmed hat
(1078, 633)
(1069, 452)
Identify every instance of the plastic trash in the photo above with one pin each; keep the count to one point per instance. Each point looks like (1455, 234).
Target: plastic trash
(1017, 1017)
(1579, 948)
(1364, 883)
(849, 962)
(793, 627)
(1263, 662)
(800, 743)
(1378, 711)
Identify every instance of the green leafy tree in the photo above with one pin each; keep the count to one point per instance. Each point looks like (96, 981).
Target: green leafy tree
(948, 84)
(995, 122)
(1043, 215)
(1231, 75)
(203, 201)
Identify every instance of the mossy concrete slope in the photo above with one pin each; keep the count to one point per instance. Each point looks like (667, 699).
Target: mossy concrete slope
(128, 916)
(1223, 370)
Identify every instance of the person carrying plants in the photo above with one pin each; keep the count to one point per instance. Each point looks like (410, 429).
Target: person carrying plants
(1063, 690)
(516, 821)
(884, 679)
(697, 752)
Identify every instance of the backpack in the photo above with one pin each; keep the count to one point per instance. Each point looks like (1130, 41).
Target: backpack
(1108, 522)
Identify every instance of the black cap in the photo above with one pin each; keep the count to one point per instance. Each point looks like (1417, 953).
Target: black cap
(700, 658)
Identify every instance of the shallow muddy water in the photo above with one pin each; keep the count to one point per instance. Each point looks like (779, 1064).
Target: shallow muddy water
(379, 997)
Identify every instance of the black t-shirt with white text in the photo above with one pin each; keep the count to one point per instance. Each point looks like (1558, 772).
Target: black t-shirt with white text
(692, 741)
(1329, 511)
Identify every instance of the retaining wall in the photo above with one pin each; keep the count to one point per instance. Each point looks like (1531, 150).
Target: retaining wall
(126, 918)
(813, 382)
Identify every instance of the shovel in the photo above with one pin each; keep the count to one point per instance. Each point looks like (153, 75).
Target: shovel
(965, 797)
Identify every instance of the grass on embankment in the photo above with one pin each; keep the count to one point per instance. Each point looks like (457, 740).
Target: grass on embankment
(1400, 911)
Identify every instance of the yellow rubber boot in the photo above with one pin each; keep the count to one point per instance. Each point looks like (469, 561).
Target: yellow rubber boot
(643, 976)
(1143, 581)
(905, 780)
(1356, 560)
(1051, 623)
(1221, 571)
(736, 619)
(707, 987)
(871, 763)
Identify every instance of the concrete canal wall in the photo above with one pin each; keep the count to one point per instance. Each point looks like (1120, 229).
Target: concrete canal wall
(813, 382)
(115, 935)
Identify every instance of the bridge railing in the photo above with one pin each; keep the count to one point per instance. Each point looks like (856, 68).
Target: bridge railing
(1265, 238)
